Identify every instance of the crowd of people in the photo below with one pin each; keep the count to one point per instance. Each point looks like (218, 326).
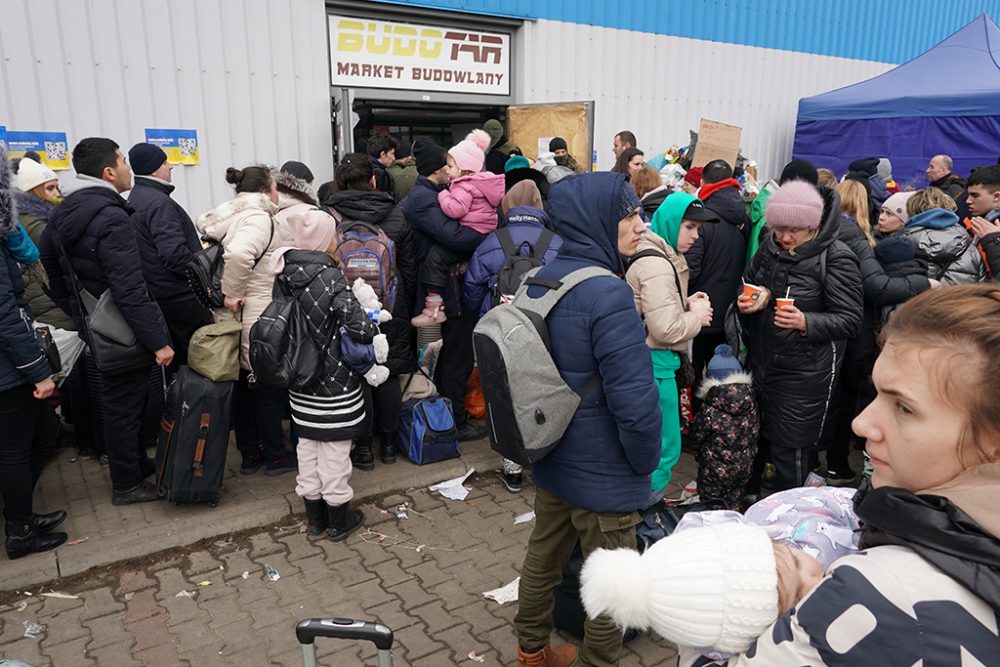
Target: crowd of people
(814, 313)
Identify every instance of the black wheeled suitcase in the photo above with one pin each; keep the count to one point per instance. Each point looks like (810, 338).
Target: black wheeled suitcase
(194, 436)
(309, 629)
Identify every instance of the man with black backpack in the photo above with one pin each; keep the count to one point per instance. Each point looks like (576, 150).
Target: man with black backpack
(524, 241)
(595, 480)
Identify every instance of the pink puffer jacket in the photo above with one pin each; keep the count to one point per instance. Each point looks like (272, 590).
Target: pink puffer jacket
(472, 200)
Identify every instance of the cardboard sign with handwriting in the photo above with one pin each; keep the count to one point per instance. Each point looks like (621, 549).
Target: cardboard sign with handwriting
(716, 141)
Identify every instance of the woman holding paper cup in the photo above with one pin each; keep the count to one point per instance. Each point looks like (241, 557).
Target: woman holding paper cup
(658, 276)
(806, 302)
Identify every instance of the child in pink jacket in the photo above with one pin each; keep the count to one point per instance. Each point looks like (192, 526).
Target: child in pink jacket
(471, 200)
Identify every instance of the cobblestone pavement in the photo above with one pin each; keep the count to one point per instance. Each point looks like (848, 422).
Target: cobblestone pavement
(423, 576)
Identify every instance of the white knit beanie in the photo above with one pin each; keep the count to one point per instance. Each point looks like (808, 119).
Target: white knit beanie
(31, 174)
(711, 587)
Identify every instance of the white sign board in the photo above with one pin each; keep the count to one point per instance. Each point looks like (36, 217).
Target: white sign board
(367, 53)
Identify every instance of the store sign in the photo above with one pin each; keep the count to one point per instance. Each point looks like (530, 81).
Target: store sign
(367, 53)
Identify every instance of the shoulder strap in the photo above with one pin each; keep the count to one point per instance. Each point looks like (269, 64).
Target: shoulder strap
(542, 244)
(557, 288)
(677, 277)
(506, 242)
(267, 247)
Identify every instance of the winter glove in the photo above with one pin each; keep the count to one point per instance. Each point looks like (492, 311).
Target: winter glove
(377, 375)
(381, 345)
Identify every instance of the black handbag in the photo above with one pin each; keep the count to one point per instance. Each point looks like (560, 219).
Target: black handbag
(204, 274)
(113, 344)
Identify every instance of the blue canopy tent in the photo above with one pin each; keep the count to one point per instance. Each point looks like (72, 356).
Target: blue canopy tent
(944, 101)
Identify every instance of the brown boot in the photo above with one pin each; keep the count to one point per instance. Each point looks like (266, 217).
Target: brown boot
(563, 655)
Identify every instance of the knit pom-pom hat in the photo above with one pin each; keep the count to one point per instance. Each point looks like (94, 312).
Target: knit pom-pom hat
(710, 587)
(470, 153)
(796, 204)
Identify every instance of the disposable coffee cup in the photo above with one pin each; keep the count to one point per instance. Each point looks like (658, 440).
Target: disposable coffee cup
(752, 292)
(784, 302)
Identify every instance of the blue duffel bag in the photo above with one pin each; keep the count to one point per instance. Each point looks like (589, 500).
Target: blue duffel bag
(427, 432)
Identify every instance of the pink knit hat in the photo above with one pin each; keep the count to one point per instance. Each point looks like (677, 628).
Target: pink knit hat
(470, 153)
(313, 231)
(896, 204)
(796, 204)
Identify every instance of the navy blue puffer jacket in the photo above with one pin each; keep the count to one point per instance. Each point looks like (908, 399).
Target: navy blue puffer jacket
(604, 460)
(21, 362)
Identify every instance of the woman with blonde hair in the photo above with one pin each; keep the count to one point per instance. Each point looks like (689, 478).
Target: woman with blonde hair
(854, 203)
(941, 239)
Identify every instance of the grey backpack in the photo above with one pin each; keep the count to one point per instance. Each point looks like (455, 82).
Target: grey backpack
(528, 404)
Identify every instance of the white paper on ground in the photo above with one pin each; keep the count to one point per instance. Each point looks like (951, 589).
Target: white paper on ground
(452, 488)
(504, 594)
(524, 518)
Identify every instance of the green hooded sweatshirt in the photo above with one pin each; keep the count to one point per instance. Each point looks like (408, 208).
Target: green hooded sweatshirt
(668, 217)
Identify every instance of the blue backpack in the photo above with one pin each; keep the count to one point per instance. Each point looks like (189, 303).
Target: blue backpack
(427, 432)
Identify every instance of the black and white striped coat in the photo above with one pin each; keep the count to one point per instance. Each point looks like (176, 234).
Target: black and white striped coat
(333, 408)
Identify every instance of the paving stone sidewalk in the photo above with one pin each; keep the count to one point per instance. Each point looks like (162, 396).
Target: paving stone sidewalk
(423, 576)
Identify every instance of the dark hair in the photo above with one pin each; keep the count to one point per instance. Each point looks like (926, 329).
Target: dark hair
(354, 172)
(33, 155)
(621, 164)
(626, 137)
(381, 143)
(256, 178)
(715, 171)
(988, 177)
(93, 155)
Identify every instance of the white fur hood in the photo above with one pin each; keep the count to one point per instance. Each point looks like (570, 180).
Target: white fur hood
(216, 222)
(710, 383)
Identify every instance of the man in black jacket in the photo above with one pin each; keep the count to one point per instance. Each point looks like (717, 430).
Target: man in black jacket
(167, 239)
(716, 259)
(382, 153)
(939, 176)
(91, 231)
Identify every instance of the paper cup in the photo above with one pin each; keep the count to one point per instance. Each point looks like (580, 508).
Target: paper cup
(752, 292)
(784, 302)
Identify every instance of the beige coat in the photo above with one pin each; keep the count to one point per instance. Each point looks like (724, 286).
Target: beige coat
(668, 325)
(243, 225)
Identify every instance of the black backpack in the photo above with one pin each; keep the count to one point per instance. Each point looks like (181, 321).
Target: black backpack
(283, 351)
(516, 265)
(204, 270)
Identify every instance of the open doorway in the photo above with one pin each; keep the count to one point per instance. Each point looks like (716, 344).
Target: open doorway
(446, 124)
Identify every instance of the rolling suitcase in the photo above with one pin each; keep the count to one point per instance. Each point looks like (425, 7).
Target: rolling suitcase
(309, 629)
(194, 436)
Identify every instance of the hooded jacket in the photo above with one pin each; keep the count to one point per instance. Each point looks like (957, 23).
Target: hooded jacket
(33, 214)
(244, 226)
(404, 175)
(925, 590)
(724, 199)
(880, 288)
(669, 326)
(718, 257)
(604, 460)
(473, 200)
(166, 238)
(21, 362)
(295, 197)
(795, 373)
(943, 243)
(652, 200)
(378, 208)
(525, 224)
(430, 225)
(333, 408)
(93, 225)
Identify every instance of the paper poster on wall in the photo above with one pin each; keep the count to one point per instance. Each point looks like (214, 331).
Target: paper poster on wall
(50, 146)
(181, 146)
(3, 135)
(716, 141)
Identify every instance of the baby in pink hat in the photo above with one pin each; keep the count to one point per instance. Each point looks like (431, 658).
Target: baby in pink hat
(471, 199)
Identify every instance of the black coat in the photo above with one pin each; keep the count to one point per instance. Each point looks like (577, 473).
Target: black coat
(716, 262)
(21, 362)
(383, 179)
(652, 201)
(380, 209)
(795, 374)
(727, 203)
(94, 226)
(166, 238)
(952, 184)
(991, 246)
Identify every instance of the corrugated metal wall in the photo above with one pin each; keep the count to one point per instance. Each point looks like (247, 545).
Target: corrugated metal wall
(884, 31)
(659, 86)
(251, 76)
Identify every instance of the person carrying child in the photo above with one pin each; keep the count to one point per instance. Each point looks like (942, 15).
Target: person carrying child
(725, 431)
(330, 412)
(471, 199)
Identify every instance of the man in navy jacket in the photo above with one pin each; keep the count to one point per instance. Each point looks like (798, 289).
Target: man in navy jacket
(93, 226)
(167, 239)
(593, 484)
(430, 225)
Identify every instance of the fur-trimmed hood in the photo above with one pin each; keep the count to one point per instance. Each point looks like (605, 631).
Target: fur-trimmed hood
(29, 204)
(8, 211)
(295, 188)
(711, 383)
(216, 222)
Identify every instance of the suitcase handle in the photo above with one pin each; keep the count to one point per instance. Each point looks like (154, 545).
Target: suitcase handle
(307, 630)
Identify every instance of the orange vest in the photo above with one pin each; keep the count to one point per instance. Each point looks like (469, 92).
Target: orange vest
(968, 228)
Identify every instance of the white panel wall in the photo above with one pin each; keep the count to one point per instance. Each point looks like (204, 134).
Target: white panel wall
(251, 76)
(660, 86)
